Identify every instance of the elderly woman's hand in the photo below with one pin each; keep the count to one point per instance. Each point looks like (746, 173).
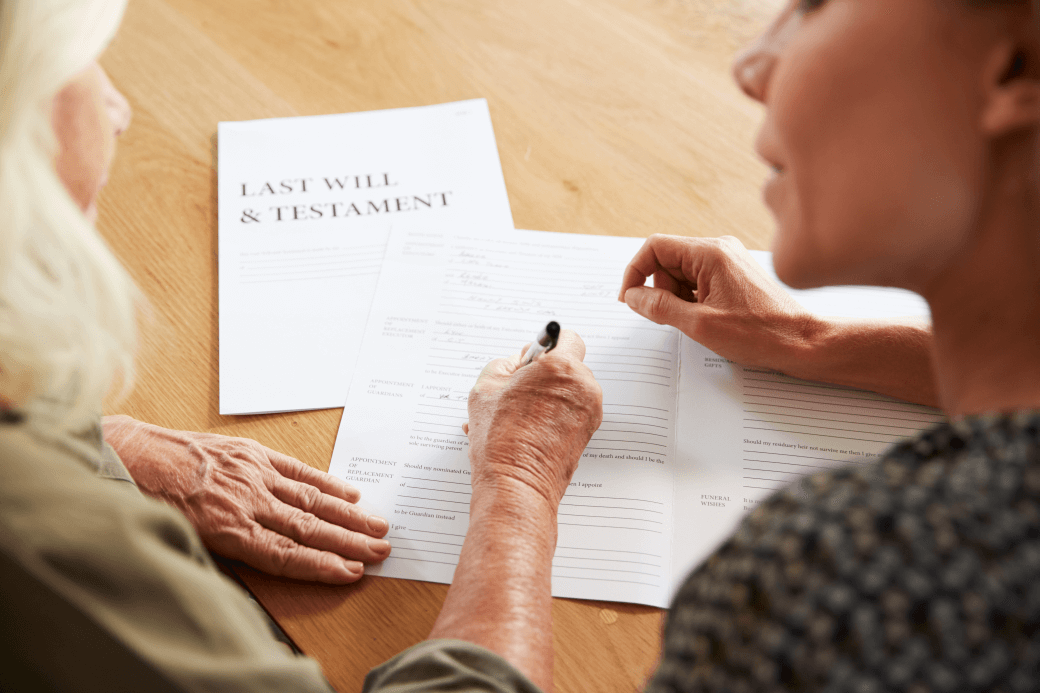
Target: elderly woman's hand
(253, 504)
(715, 292)
(530, 425)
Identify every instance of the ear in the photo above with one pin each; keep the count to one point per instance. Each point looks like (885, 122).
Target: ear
(1011, 84)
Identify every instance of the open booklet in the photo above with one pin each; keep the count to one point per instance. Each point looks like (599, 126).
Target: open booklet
(305, 205)
(689, 441)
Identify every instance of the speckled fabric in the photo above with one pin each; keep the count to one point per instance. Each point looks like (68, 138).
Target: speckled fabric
(919, 573)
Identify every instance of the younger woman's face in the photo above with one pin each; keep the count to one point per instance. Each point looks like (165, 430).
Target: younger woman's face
(88, 114)
(872, 115)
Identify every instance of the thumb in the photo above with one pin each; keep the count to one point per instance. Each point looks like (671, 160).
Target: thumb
(659, 305)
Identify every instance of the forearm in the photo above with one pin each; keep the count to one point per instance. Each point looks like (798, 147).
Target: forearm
(500, 597)
(890, 358)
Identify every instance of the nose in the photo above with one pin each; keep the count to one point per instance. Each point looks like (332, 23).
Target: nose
(753, 66)
(116, 105)
(120, 111)
(752, 69)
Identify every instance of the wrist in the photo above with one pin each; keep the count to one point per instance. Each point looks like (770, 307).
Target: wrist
(808, 341)
(513, 504)
(117, 428)
(519, 477)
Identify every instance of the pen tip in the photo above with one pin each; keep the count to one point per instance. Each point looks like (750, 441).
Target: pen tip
(553, 330)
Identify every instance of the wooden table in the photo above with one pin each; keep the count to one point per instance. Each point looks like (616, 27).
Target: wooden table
(612, 117)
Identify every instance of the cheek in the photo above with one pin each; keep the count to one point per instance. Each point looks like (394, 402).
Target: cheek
(85, 145)
(881, 174)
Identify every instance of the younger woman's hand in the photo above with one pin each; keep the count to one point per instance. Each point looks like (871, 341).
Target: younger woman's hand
(713, 290)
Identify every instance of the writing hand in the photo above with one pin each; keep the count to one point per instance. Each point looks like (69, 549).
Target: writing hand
(253, 504)
(714, 291)
(531, 424)
(527, 429)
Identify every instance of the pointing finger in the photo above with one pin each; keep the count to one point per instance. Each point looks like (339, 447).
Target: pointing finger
(643, 265)
(664, 254)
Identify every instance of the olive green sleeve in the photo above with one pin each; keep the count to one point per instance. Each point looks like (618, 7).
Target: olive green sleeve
(447, 665)
(101, 584)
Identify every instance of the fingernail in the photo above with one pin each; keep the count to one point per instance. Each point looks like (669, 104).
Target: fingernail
(377, 524)
(378, 545)
(348, 571)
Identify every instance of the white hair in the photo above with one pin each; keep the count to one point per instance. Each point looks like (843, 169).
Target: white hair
(67, 306)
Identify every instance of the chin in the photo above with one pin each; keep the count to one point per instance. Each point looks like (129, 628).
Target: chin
(798, 275)
(797, 262)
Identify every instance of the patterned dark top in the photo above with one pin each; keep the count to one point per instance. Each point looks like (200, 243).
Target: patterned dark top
(919, 573)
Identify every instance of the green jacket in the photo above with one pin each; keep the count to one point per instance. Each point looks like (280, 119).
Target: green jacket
(104, 589)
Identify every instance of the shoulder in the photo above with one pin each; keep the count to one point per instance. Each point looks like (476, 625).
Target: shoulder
(885, 574)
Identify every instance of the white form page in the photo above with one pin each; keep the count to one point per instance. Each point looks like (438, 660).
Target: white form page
(305, 205)
(448, 303)
(742, 433)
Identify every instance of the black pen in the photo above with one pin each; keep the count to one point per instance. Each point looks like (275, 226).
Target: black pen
(545, 341)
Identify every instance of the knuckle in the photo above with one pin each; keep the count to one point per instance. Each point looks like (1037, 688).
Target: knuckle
(323, 562)
(596, 394)
(588, 380)
(327, 564)
(593, 409)
(286, 557)
(309, 498)
(654, 307)
(584, 393)
(565, 371)
(731, 244)
(276, 550)
(715, 247)
(358, 544)
(232, 540)
(306, 526)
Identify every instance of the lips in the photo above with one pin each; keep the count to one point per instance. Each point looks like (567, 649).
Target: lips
(774, 165)
(766, 151)
(771, 188)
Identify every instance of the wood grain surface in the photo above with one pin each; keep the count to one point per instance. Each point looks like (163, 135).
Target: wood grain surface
(612, 117)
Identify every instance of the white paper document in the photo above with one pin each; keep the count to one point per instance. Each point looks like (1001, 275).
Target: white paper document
(305, 205)
(661, 480)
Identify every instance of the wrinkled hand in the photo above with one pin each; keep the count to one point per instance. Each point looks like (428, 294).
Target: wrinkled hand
(531, 424)
(714, 291)
(253, 504)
